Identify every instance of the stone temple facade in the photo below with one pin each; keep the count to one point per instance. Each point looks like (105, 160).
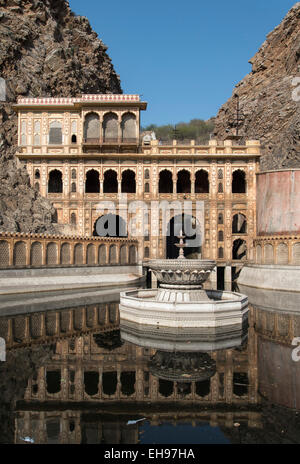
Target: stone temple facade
(81, 152)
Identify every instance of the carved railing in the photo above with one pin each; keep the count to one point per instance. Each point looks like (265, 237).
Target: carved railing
(277, 249)
(35, 251)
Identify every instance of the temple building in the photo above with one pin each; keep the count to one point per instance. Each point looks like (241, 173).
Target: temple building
(82, 151)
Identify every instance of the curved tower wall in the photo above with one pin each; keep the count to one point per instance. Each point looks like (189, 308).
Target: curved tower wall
(278, 202)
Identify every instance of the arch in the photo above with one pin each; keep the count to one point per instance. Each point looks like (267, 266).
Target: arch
(146, 252)
(55, 183)
(221, 236)
(4, 253)
(113, 254)
(183, 181)
(129, 127)
(258, 254)
(110, 127)
(102, 255)
(239, 250)
(147, 187)
(123, 254)
(132, 255)
(37, 174)
(19, 254)
(74, 174)
(269, 253)
(221, 253)
(220, 188)
(110, 184)
(165, 388)
(37, 132)
(110, 225)
(239, 181)
(55, 133)
(73, 219)
(201, 181)
(220, 219)
(109, 383)
(91, 127)
(220, 174)
(36, 254)
(74, 139)
(51, 254)
(165, 181)
(90, 254)
(239, 224)
(296, 254)
(147, 174)
(65, 254)
(53, 382)
(282, 254)
(191, 228)
(91, 382)
(73, 187)
(128, 181)
(203, 388)
(92, 182)
(78, 254)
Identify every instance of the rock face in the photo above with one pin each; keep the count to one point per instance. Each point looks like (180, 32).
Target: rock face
(270, 97)
(45, 50)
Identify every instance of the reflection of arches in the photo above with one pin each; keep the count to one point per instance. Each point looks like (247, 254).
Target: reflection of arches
(201, 182)
(269, 254)
(132, 255)
(128, 181)
(191, 229)
(110, 184)
(123, 254)
(239, 249)
(55, 183)
(102, 255)
(78, 254)
(36, 255)
(55, 133)
(110, 225)
(113, 254)
(92, 183)
(128, 127)
(90, 254)
(165, 182)
(65, 254)
(239, 224)
(184, 181)
(239, 181)
(91, 127)
(110, 127)
(282, 254)
(165, 388)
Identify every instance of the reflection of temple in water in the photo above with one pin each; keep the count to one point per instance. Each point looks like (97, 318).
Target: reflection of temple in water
(95, 383)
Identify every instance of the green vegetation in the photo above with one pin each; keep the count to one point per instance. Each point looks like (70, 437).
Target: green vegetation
(196, 129)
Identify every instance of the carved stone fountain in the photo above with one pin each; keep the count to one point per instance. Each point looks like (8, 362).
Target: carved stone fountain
(180, 301)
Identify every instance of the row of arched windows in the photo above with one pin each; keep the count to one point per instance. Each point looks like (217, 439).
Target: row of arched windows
(110, 127)
(128, 184)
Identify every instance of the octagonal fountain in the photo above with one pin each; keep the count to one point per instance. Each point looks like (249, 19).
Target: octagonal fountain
(180, 301)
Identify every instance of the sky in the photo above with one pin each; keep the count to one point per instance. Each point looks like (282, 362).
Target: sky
(183, 57)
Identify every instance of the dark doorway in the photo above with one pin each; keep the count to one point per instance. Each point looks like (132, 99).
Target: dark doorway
(53, 382)
(91, 382)
(220, 278)
(128, 182)
(109, 383)
(165, 182)
(92, 184)
(201, 182)
(110, 184)
(55, 184)
(239, 182)
(165, 388)
(128, 383)
(203, 388)
(184, 182)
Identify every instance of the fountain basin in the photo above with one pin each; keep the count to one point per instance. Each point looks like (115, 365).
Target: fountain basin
(218, 309)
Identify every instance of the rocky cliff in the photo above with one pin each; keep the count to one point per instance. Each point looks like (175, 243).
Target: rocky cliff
(45, 50)
(270, 97)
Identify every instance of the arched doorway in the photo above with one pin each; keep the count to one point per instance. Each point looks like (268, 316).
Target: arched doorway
(193, 237)
(239, 250)
(165, 181)
(239, 181)
(110, 184)
(128, 181)
(91, 127)
(239, 224)
(201, 182)
(184, 182)
(55, 184)
(92, 183)
(110, 225)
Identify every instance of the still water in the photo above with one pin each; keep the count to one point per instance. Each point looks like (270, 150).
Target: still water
(80, 375)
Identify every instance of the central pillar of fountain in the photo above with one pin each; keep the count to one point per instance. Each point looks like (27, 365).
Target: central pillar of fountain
(180, 301)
